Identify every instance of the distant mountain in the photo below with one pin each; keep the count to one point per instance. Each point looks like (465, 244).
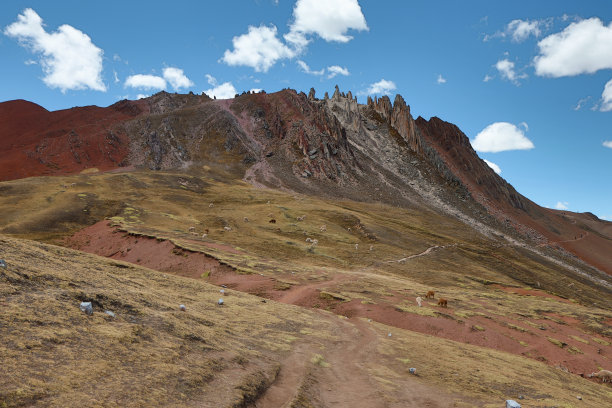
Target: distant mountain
(332, 147)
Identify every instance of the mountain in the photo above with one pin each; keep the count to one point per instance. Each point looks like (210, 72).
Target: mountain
(364, 258)
(332, 147)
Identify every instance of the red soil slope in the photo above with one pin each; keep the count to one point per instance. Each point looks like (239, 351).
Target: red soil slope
(36, 142)
(584, 235)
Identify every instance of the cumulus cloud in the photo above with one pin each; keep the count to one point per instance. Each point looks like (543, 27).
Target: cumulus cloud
(305, 68)
(608, 143)
(506, 69)
(176, 78)
(441, 79)
(562, 205)
(334, 70)
(494, 166)
(142, 96)
(487, 78)
(68, 57)
(499, 137)
(382, 87)
(220, 91)
(259, 49)
(520, 30)
(583, 47)
(606, 98)
(141, 81)
(330, 20)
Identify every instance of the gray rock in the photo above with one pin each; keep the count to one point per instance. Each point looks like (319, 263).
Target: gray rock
(108, 312)
(2, 263)
(512, 404)
(86, 307)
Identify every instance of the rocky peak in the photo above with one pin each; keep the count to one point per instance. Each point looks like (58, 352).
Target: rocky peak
(311, 94)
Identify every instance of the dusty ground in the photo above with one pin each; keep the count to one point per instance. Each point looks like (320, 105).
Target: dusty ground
(246, 353)
(560, 340)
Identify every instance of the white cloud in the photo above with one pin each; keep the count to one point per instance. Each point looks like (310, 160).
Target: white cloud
(525, 126)
(68, 58)
(224, 91)
(487, 78)
(305, 68)
(258, 49)
(608, 143)
(494, 166)
(334, 70)
(520, 30)
(255, 90)
(145, 82)
(499, 137)
(581, 103)
(330, 20)
(177, 78)
(116, 78)
(583, 47)
(441, 80)
(506, 69)
(30, 62)
(382, 87)
(562, 205)
(606, 98)
(142, 96)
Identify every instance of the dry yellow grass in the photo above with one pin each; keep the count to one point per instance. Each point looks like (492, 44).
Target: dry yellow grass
(153, 354)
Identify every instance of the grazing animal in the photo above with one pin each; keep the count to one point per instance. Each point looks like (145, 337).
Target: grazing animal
(227, 228)
(206, 231)
(301, 218)
(191, 229)
(211, 205)
(419, 300)
(371, 247)
(356, 247)
(430, 295)
(204, 235)
(246, 219)
(272, 221)
(442, 302)
(603, 375)
(323, 228)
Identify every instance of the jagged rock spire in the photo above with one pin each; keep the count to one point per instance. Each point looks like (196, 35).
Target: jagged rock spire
(311, 94)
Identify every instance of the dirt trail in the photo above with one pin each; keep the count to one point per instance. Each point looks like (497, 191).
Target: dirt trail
(297, 293)
(346, 375)
(426, 252)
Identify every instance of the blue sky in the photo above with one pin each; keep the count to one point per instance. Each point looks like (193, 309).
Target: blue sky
(525, 80)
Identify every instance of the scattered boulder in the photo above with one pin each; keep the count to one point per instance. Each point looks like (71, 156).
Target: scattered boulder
(86, 307)
(108, 312)
(2, 263)
(182, 307)
(512, 404)
(412, 370)
(220, 302)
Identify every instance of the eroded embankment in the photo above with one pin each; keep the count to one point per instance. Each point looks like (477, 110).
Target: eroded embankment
(547, 338)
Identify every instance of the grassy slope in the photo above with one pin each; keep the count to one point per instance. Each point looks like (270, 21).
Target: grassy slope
(155, 350)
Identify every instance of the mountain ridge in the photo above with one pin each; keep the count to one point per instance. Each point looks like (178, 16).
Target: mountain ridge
(293, 141)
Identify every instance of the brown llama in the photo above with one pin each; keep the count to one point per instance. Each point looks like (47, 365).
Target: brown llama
(443, 302)
(430, 295)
